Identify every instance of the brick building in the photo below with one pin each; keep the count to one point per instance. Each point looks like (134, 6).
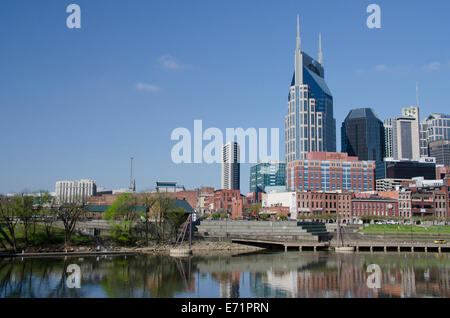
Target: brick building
(374, 206)
(320, 202)
(330, 171)
(223, 200)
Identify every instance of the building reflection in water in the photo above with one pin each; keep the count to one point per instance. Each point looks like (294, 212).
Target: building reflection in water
(349, 280)
(287, 275)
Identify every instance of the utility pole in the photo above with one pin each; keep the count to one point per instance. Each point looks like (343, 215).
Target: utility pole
(132, 181)
(190, 231)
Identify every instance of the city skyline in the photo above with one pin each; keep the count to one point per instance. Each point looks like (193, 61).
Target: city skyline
(78, 104)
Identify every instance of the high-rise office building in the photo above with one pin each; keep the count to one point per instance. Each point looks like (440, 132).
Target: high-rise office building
(309, 123)
(440, 150)
(74, 191)
(406, 169)
(388, 138)
(406, 140)
(433, 128)
(362, 135)
(402, 135)
(267, 174)
(230, 166)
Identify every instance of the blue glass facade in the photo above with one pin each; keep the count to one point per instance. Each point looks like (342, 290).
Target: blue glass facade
(267, 174)
(362, 135)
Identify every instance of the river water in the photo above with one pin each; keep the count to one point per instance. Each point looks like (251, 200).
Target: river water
(267, 274)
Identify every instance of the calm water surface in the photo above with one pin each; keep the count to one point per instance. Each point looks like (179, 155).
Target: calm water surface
(274, 274)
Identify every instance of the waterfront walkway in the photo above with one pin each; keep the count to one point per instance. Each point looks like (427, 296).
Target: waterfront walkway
(359, 246)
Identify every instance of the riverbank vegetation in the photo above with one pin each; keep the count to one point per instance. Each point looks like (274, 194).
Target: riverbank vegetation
(145, 219)
(30, 221)
(415, 229)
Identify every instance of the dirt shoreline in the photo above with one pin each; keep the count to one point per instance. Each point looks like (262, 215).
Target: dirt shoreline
(197, 247)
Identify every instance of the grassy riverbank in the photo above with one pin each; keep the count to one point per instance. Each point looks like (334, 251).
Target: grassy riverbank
(38, 239)
(393, 228)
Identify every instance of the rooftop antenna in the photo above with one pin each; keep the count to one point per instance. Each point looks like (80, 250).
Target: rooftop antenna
(320, 49)
(132, 181)
(417, 94)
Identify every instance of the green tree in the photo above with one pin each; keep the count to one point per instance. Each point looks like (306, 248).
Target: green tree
(9, 219)
(48, 213)
(162, 206)
(224, 215)
(214, 215)
(70, 213)
(148, 201)
(121, 233)
(176, 217)
(123, 208)
(255, 209)
(24, 207)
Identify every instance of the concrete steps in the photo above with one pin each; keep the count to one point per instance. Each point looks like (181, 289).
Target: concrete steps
(280, 230)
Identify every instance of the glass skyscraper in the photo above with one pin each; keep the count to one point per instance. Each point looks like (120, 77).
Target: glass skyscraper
(362, 135)
(434, 127)
(267, 174)
(309, 123)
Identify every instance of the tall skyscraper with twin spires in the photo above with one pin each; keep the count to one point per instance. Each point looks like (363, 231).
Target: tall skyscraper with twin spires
(309, 123)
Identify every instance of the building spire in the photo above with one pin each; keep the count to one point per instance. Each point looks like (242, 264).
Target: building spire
(298, 57)
(298, 33)
(320, 49)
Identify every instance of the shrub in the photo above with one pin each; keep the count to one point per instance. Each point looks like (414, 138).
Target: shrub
(120, 233)
(215, 216)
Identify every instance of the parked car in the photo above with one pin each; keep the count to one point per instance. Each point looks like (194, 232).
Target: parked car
(440, 242)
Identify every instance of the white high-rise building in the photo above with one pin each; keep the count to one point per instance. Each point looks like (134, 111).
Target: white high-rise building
(406, 141)
(402, 135)
(74, 191)
(230, 166)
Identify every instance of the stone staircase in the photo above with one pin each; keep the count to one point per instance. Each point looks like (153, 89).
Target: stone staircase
(261, 230)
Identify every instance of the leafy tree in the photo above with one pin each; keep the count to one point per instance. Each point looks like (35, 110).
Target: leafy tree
(148, 202)
(224, 215)
(48, 213)
(121, 233)
(24, 207)
(124, 208)
(264, 216)
(70, 213)
(162, 206)
(9, 219)
(176, 217)
(215, 216)
(255, 209)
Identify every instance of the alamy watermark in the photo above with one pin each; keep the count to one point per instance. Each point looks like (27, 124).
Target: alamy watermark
(73, 21)
(374, 19)
(74, 279)
(191, 149)
(374, 279)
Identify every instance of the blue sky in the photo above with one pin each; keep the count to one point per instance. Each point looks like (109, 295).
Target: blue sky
(78, 103)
